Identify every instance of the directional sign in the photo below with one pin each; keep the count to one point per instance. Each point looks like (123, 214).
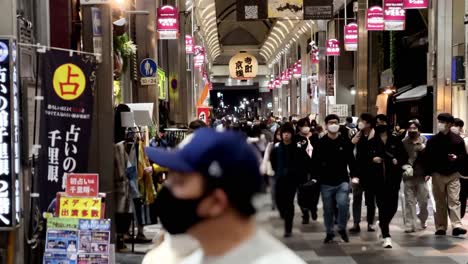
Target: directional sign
(148, 68)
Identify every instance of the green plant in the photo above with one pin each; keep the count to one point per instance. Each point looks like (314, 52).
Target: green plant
(124, 47)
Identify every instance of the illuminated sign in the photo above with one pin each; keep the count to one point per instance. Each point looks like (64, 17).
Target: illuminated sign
(189, 44)
(243, 66)
(351, 37)
(333, 47)
(415, 4)
(168, 22)
(375, 19)
(394, 15)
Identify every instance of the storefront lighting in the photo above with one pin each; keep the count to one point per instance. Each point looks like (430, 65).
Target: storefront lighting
(353, 91)
(389, 90)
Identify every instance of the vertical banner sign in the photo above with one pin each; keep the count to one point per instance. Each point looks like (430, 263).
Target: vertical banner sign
(9, 136)
(168, 22)
(285, 9)
(251, 10)
(375, 19)
(318, 9)
(394, 15)
(189, 44)
(351, 37)
(333, 47)
(199, 58)
(415, 4)
(67, 110)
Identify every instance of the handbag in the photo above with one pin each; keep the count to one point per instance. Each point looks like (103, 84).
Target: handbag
(305, 194)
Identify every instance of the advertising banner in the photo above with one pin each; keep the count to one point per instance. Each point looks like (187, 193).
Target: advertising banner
(351, 37)
(394, 15)
(333, 47)
(375, 19)
(168, 22)
(66, 123)
(199, 58)
(189, 44)
(82, 185)
(203, 113)
(79, 207)
(162, 84)
(251, 10)
(318, 9)
(285, 9)
(415, 4)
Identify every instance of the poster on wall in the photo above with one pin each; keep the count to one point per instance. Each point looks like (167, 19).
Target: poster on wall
(318, 9)
(168, 22)
(333, 47)
(375, 19)
(351, 37)
(394, 15)
(415, 4)
(66, 119)
(251, 10)
(285, 9)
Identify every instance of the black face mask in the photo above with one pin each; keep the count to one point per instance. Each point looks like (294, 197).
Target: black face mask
(413, 134)
(177, 215)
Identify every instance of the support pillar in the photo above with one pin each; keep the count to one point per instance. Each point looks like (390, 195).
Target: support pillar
(362, 86)
(306, 104)
(322, 72)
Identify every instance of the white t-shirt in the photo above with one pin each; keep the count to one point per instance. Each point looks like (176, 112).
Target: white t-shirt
(262, 248)
(173, 250)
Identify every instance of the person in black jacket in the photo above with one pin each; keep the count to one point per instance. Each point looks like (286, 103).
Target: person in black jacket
(308, 198)
(362, 183)
(288, 163)
(388, 157)
(444, 161)
(332, 158)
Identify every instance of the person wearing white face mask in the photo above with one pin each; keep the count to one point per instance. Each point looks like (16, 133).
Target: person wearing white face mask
(307, 198)
(444, 160)
(331, 159)
(458, 128)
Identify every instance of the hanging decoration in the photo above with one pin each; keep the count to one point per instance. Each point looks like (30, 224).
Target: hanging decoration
(333, 47)
(285, 9)
(375, 19)
(351, 37)
(415, 4)
(394, 15)
(243, 66)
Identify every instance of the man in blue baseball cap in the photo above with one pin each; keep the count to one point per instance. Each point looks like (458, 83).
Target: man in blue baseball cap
(208, 195)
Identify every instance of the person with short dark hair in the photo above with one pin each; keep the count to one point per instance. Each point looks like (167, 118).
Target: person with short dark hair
(444, 160)
(333, 162)
(362, 183)
(381, 120)
(388, 157)
(196, 124)
(458, 128)
(212, 180)
(288, 161)
(415, 188)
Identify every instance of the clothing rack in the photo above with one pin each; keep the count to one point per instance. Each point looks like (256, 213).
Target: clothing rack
(175, 135)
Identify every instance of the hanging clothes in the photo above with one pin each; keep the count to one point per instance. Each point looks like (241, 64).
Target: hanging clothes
(145, 173)
(120, 179)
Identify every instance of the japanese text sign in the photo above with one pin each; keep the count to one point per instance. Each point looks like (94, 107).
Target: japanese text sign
(168, 22)
(66, 119)
(82, 185)
(243, 66)
(375, 19)
(415, 4)
(199, 58)
(394, 15)
(333, 47)
(189, 44)
(203, 113)
(79, 207)
(351, 37)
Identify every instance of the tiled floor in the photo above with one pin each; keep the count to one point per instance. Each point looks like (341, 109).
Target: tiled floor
(307, 241)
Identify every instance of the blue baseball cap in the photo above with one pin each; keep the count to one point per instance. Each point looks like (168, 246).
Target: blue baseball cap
(224, 157)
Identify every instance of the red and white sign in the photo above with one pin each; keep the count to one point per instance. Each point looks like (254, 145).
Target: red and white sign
(82, 185)
(189, 44)
(333, 47)
(351, 37)
(199, 58)
(203, 114)
(415, 4)
(168, 22)
(375, 19)
(394, 15)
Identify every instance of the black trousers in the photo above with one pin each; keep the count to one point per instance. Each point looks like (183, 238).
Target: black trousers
(284, 197)
(387, 202)
(312, 203)
(370, 201)
(463, 196)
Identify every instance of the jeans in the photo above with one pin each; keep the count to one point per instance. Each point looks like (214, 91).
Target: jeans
(369, 195)
(335, 197)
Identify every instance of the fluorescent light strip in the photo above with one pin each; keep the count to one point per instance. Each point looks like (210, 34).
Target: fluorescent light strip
(283, 26)
(276, 36)
(271, 38)
(206, 9)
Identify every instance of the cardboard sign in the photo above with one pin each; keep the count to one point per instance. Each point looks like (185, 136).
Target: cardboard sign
(82, 185)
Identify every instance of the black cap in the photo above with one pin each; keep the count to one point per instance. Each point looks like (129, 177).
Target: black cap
(446, 118)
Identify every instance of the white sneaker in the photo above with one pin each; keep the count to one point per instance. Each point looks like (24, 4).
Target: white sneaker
(387, 242)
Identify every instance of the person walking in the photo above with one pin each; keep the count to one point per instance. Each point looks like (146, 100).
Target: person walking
(332, 160)
(415, 187)
(458, 128)
(288, 162)
(388, 156)
(445, 158)
(362, 182)
(308, 198)
(202, 197)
